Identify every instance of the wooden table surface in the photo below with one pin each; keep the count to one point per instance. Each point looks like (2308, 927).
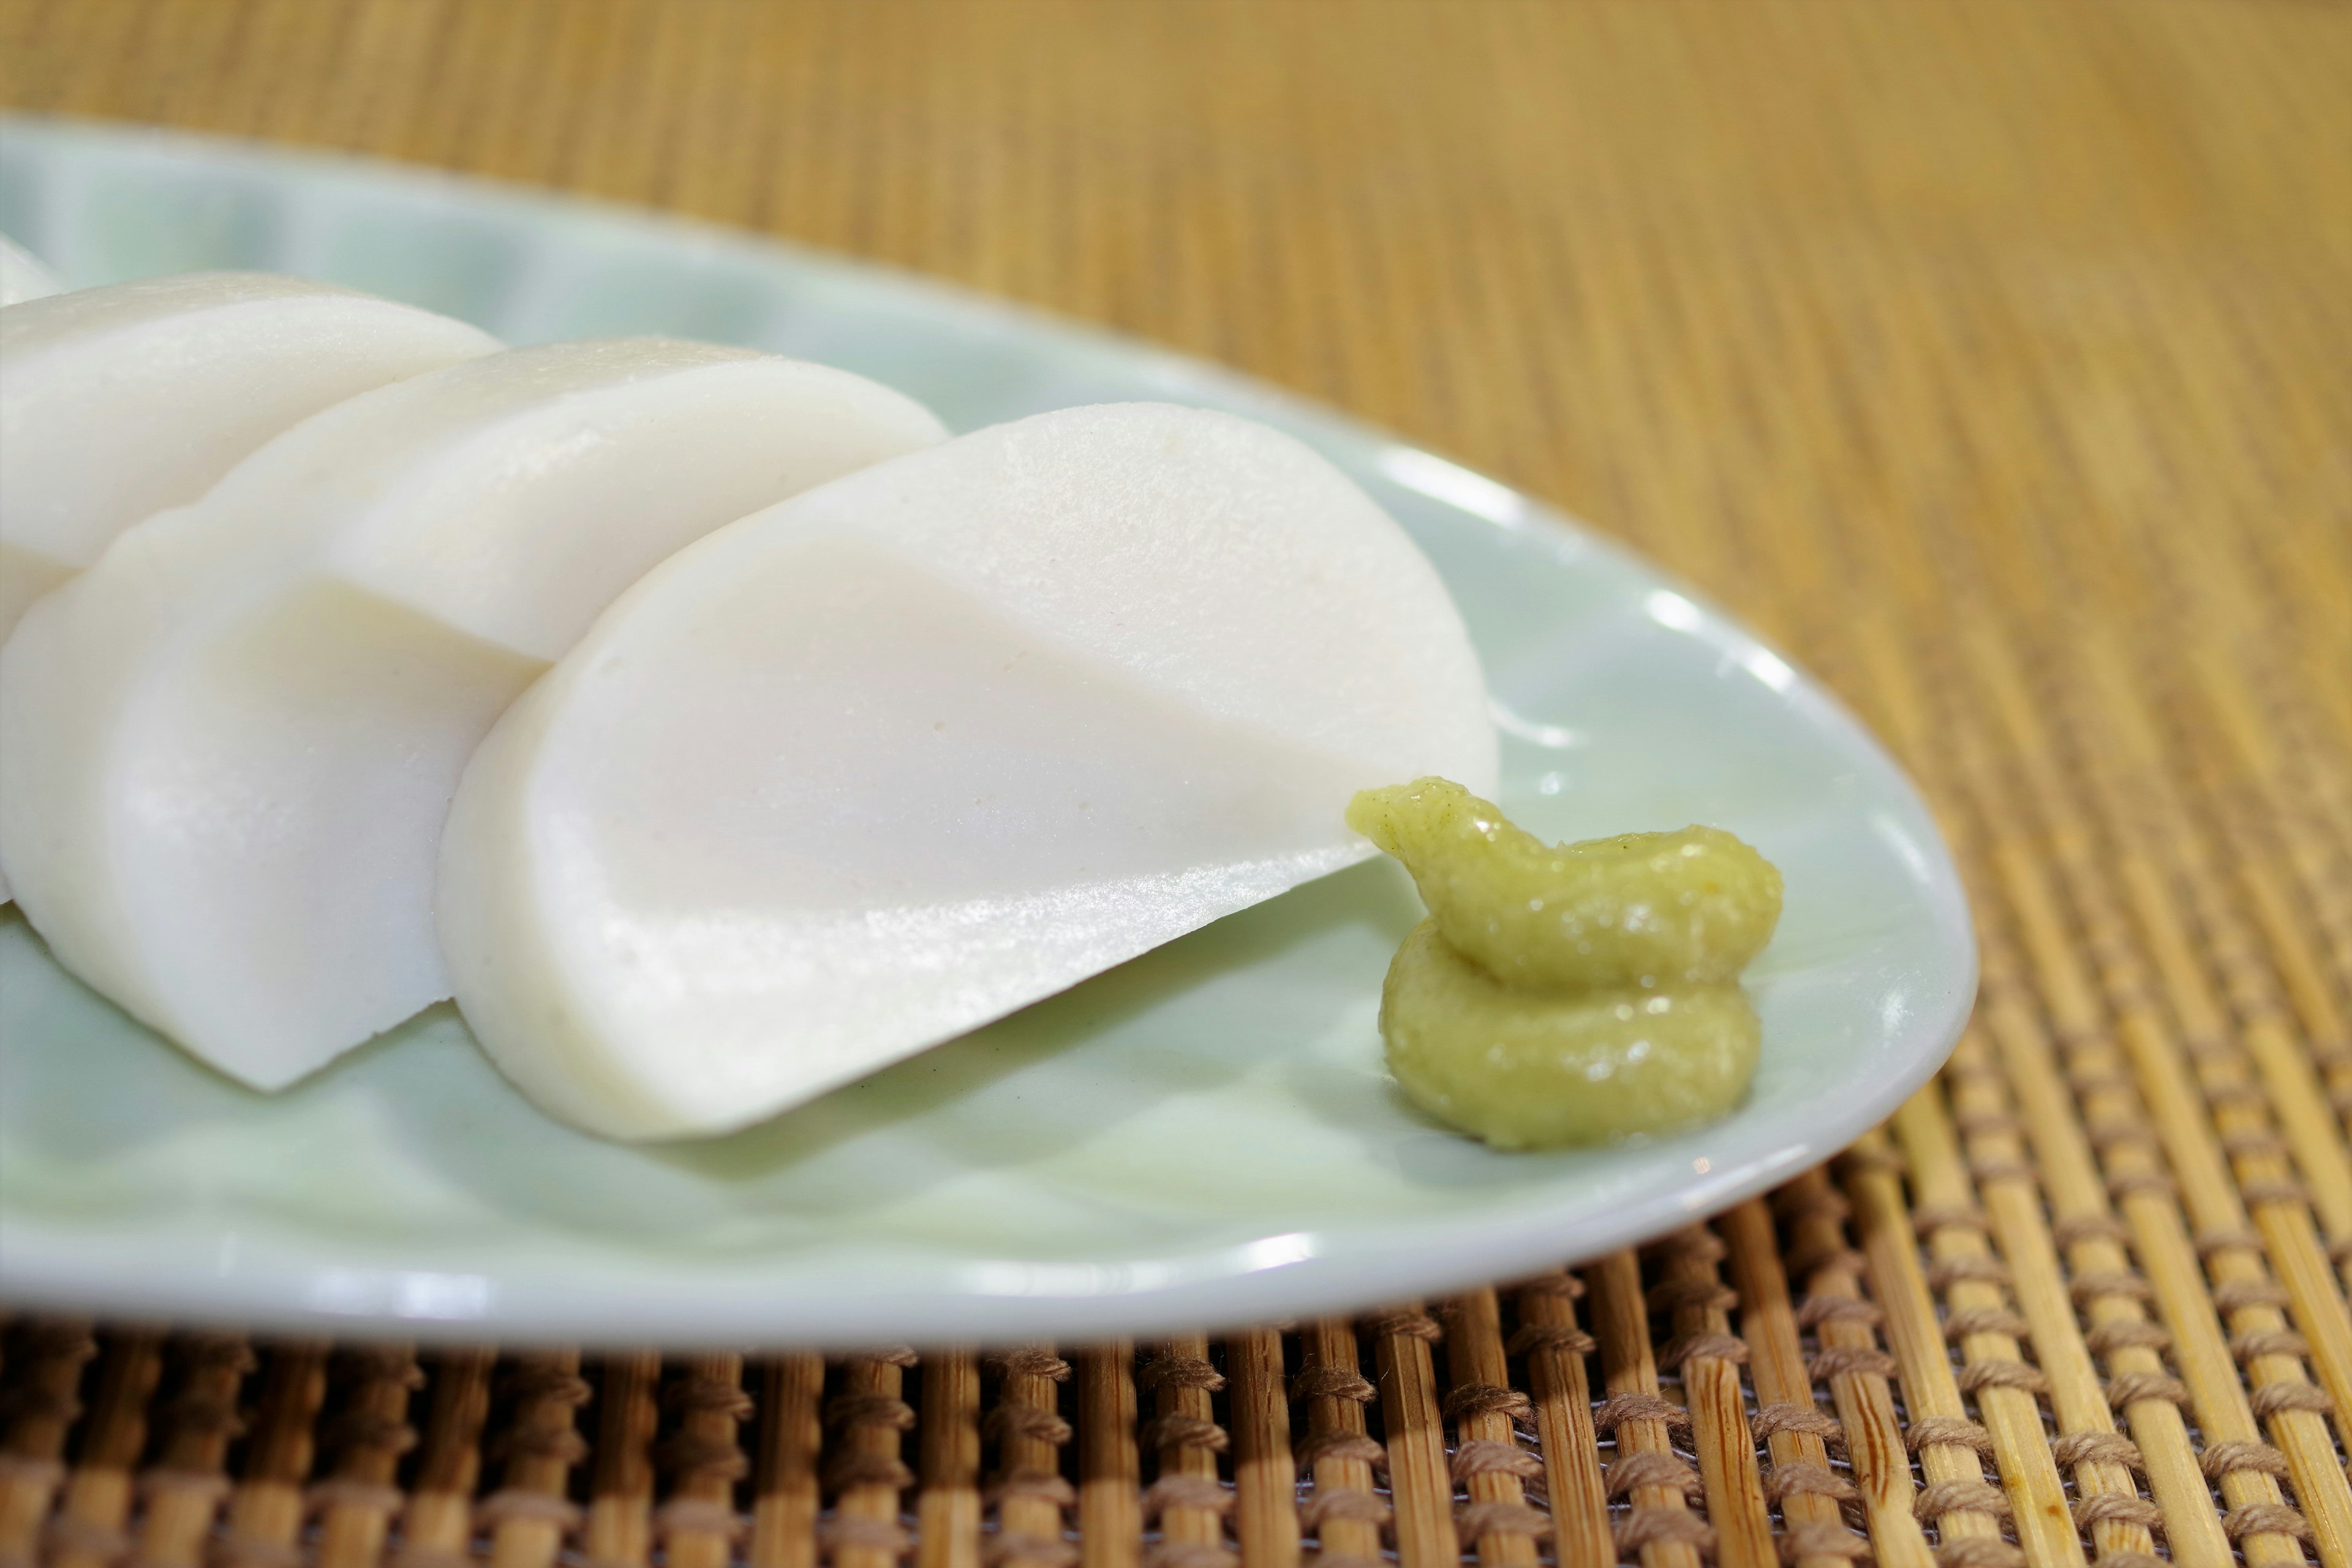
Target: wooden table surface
(1994, 356)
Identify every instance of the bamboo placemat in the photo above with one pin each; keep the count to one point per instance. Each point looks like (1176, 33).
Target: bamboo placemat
(1995, 358)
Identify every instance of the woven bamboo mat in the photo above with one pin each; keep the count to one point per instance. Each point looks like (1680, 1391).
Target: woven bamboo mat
(1995, 358)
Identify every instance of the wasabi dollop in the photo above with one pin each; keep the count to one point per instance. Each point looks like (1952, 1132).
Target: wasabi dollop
(1565, 994)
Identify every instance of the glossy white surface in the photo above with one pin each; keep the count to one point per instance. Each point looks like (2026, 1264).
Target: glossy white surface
(226, 749)
(1203, 1135)
(887, 761)
(118, 402)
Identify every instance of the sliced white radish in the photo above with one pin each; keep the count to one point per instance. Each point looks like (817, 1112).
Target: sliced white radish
(22, 275)
(894, 758)
(226, 749)
(118, 402)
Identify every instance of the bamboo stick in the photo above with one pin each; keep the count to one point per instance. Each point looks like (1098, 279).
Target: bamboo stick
(1708, 1357)
(1974, 1282)
(1421, 1488)
(1488, 1463)
(438, 1521)
(697, 1525)
(366, 1438)
(1028, 1489)
(785, 1496)
(530, 1513)
(1855, 1366)
(1794, 1428)
(1662, 1530)
(619, 1527)
(1555, 1347)
(88, 1528)
(1110, 1517)
(264, 1509)
(1188, 1499)
(1265, 1475)
(866, 1470)
(1947, 1443)
(1343, 1513)
(947, 1514)
(32, 1449)
(2100, 1459)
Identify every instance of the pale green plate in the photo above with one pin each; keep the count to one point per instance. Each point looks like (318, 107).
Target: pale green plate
(1204, 1136)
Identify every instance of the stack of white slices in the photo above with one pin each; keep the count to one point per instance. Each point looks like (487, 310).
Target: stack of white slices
(709, 724)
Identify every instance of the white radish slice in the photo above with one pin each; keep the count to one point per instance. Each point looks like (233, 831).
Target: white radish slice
(118, 402)
(890, 760)
(226, 750)
(22, 275)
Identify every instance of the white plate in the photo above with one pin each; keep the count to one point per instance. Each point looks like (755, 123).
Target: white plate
(1204, 1136)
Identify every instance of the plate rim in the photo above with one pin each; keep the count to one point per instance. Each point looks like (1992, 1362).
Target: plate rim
(43, 1266)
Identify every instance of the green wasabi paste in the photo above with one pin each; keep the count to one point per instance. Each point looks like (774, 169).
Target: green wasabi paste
(1571, 992)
